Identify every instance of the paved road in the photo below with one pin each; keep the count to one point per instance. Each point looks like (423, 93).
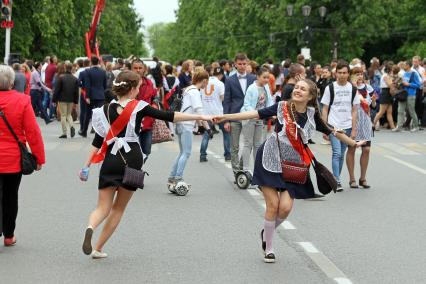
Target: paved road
(212, 235)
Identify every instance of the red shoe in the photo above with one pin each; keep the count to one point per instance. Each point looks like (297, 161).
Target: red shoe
(8, 242)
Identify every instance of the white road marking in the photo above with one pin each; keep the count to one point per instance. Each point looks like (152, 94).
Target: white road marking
(287, 225)
(342, 280)
(411, 166)
(396, 148)
(253, 192)
(324, 263)
(308, 247)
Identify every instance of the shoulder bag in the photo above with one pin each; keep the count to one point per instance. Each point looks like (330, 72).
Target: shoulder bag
(28, 160)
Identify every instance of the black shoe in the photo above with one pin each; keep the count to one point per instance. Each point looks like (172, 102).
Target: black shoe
(269, 258)
(339, 187)
(92, 131)
(263, 242)
(82, 134)
(48, 121)
(228, 159)
(72, 132)
(316, 195)
(63, 136)
(310, 141)
(87, 243)
(203, 159)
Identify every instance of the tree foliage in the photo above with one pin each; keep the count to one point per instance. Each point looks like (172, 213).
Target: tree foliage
(44, 27)
(215, 29)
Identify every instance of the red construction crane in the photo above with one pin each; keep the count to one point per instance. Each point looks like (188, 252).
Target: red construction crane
(92, 46)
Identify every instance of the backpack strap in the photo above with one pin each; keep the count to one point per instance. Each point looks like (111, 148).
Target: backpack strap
(354, 90)
(331, 89)
(183, 94)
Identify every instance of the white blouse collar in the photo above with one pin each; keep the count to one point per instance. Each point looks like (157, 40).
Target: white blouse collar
(122, 104)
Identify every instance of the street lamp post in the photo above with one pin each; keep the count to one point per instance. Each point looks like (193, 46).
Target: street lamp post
(306, 11)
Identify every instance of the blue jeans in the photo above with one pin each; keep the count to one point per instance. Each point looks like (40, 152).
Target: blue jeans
(338, 156)
(226, 143)
(36, 101)
(185, 147)
(145, 139)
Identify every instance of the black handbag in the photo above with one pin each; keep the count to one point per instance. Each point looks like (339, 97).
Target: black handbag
(326, 181)
(132, 177)
(28, 160)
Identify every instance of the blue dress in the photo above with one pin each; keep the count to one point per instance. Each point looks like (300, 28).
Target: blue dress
(262, 177)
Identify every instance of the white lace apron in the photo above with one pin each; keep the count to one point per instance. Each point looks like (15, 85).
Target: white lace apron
(101, 126)
(271, 159)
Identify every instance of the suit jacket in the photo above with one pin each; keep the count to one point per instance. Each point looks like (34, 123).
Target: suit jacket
(95, 83)
(234, 95)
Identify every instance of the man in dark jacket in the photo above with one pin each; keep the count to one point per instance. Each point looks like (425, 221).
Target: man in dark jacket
(66, 94)
(235, 89)
(95, 84)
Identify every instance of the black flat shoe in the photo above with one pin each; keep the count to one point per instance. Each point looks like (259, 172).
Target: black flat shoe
(263, 242)
(269, 258)
(63, 136)
(87, 243)
(82, 134)
(364, 183)
(72, 132)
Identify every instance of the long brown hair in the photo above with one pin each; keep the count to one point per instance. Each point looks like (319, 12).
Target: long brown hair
(313, 91)
(124, 82)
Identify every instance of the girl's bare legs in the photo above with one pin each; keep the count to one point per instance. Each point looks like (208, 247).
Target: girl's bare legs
(389, 117)
(105, 199)
(365, 156)
(350, 163)
(120, 203)
(285, 205)
(382, 111)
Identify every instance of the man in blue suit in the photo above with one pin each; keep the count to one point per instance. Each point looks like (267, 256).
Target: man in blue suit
(95, 83)
(235, 89)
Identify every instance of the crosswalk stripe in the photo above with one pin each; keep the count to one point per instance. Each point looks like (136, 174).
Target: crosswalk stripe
(411, 166)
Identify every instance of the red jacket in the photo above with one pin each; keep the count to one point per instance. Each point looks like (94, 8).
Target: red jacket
(20, 115)
(147, 92)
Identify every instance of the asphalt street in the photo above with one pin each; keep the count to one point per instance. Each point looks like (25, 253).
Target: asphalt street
(211, 235)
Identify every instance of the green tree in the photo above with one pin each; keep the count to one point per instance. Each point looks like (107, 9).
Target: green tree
(44, 27)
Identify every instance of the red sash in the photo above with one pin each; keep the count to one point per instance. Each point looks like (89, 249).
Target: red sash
(167, 97)
(117, 126)
(291, 132)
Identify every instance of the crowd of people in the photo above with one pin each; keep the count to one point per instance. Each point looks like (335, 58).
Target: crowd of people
(275, 106)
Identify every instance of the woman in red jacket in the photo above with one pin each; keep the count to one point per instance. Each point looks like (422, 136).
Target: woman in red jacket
(17, 109)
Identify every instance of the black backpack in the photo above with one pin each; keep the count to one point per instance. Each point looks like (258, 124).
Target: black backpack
(176, 99)
(331, 88)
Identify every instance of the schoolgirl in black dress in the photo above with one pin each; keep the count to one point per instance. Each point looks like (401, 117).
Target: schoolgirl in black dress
(114, 195)
(299, 115)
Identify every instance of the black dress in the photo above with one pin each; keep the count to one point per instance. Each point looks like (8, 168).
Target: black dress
(262, 177)
(112, 169)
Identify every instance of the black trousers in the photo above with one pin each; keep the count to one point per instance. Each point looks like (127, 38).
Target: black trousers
(9, 186)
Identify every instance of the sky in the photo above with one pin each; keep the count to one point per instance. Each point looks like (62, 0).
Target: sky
(156, 11)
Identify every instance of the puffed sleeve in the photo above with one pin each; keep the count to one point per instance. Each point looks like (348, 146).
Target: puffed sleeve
(33, 133)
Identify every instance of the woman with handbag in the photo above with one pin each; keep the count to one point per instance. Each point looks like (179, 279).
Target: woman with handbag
(17, 122)
(281, 169)
(116, 143)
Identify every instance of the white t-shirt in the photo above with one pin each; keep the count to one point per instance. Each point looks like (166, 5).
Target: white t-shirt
(43, 72)
(191, 104)
(211, 97)
(340, 112)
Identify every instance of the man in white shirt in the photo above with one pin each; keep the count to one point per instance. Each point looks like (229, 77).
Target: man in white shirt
(212, 97)
(340, 111)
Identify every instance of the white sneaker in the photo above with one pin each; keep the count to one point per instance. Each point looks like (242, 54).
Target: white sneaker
(97, 254)
(415, 129)
(396, 129)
